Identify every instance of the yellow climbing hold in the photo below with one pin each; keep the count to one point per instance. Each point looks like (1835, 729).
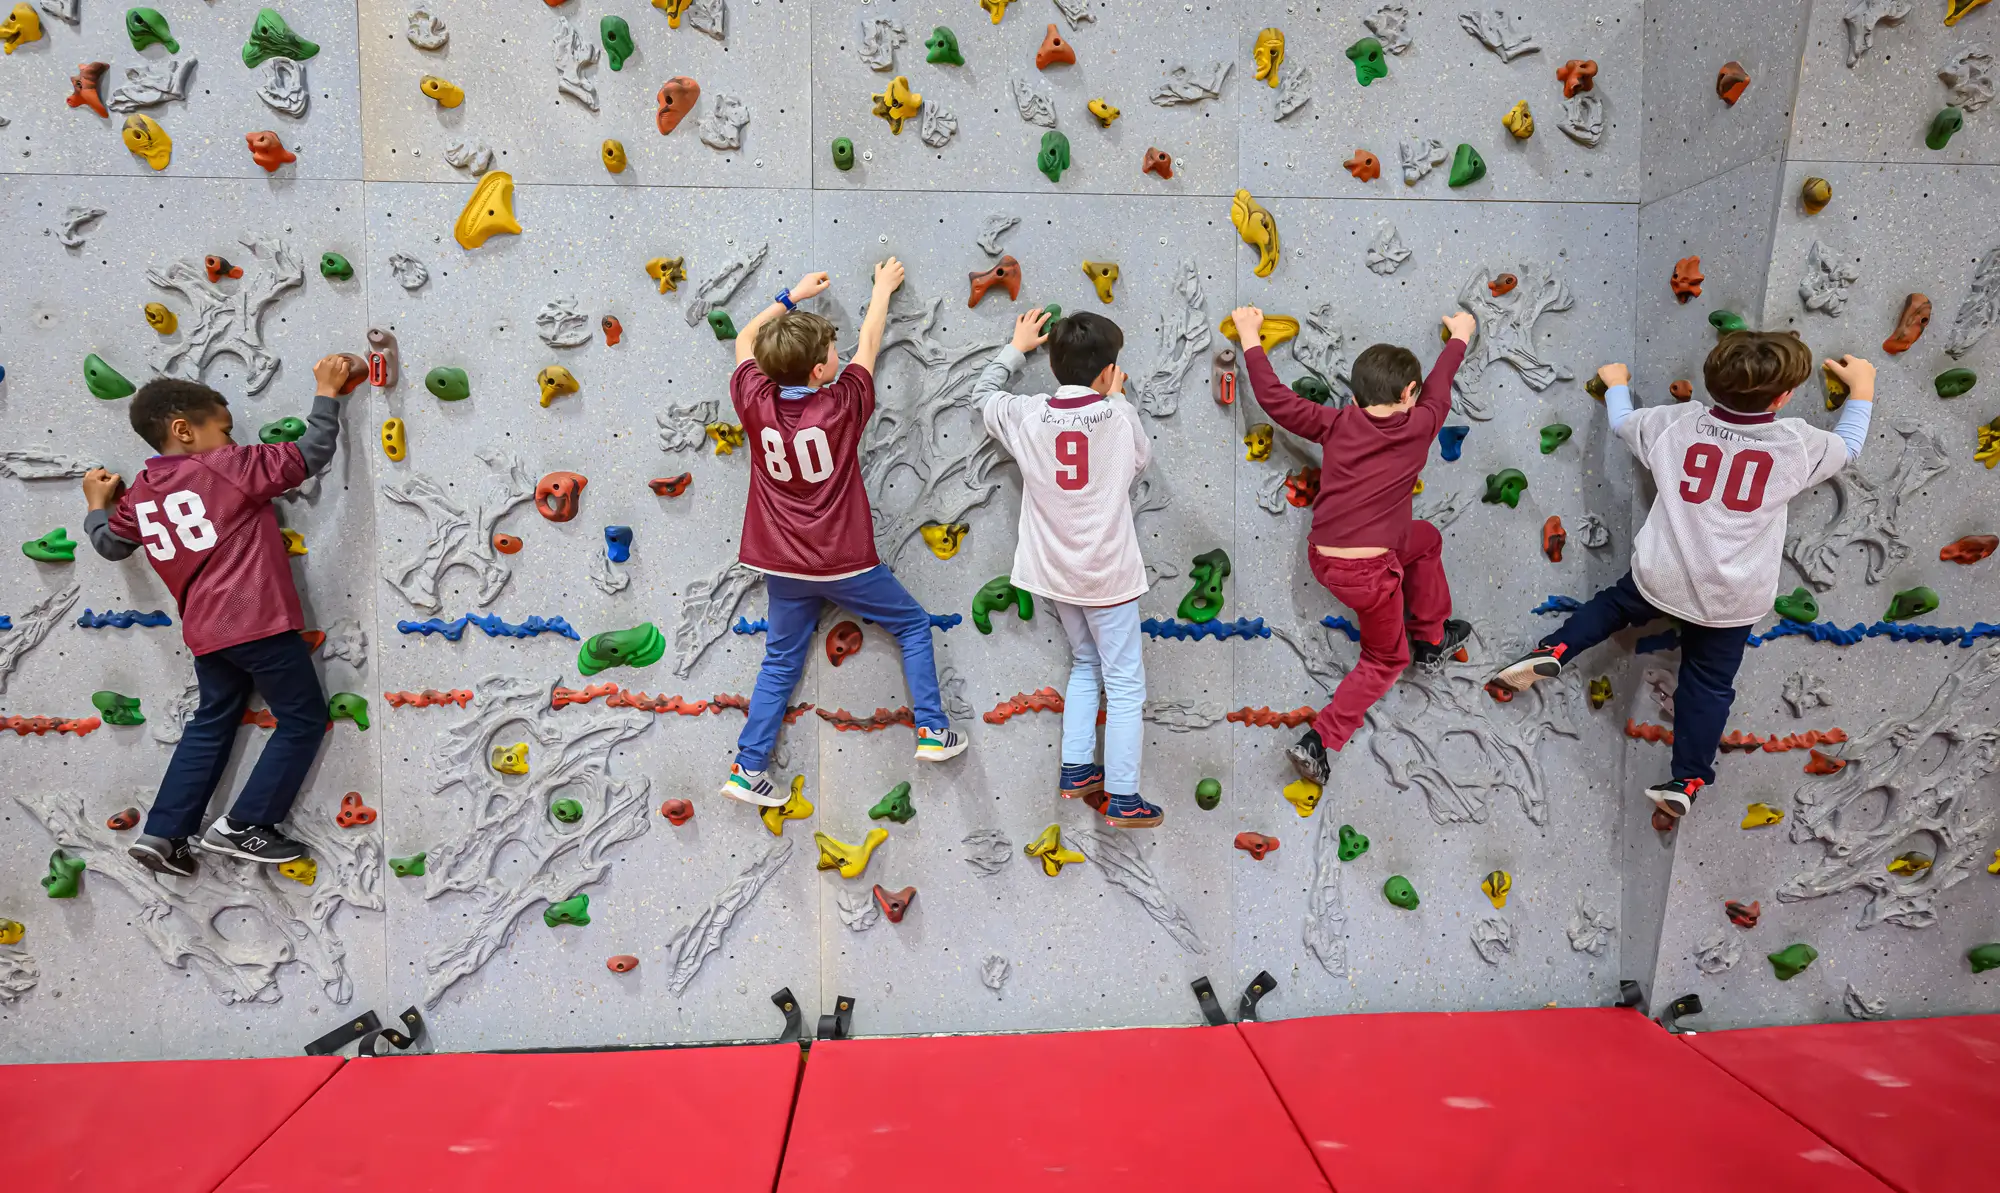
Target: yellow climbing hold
(944, 538)
(1276, 330)
(727, 437)
(511, 760)
(1907, 864)
(488, 212)
(1995, 867)
(669, 272)
(1104, 112)
(11, 931)
(301, 870)
(798, 807)
(160, 319)
(997, 7)
(613, 153)
(1103, 275)
(673, 9)
(21, 27)
(295, 543)
(1761, 815)
(1258, 230)
(1496, 886)
(1520, 121)
(555, 382)
(144, 136)
(1417, 490)
(1269, 54)
(1049, 848)
(1303, 794)
(1257, 443)
(1988, 452)
(897, 103)
(1958, 8)
(447, 93)
(850, 860)
(394, 445)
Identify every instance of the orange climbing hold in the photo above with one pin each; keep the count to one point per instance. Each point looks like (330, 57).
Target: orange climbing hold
(1910, 326)
(268, 151)
(40, 726)
(1504, 284)
(1647, 732)
(1041, 700)
(1256, 844)
(895, 903)
(677, 811)
(1970, 549)
(882, 718)
(1158, 161)
(1499, 691)
(1265, 718)
(1739, 740)
(506, 544)
(260, 717)
(1730, 82)
(613, 330)
(1687, 279)
(1554, 539)
(842, 640)
(1681, 391)
(429, 698)
(1006, 274)
(677, 98)
(218, 268)
(1578, 74)
(353, 813)
(671, 486)
(1055, 51)
(1302, 487)
(1365, 166)
(83, 87)
(1820, 764)
(623, 962)
(559, 495)
(121, 820)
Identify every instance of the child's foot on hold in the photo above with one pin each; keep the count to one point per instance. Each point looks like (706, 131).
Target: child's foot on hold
(1430, 657)
(937, 745)
(164, 855)
(251, 842)
(751, 787)
(1543, 662)
(1675, 797)
(1309, 758)
(1081, 779)
(1129, 811)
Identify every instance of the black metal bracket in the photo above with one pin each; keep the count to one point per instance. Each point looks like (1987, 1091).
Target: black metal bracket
(1680, 1008)
(794, 1021)
(839, 1025)
(1211, 1009)
(401, 1041)
(361, 1027)
(1262, 984)
(1631, 995)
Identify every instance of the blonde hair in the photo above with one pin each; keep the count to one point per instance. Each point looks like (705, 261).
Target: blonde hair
(789, 346)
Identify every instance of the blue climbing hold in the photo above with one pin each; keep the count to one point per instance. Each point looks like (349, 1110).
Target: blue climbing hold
(6, 622)
(1451, 441)
(122, 621)
(618, 543)
(1242, 627)
(491, 625)
(745, 626)
(944, 621)
(1336, 622)
(1558, 604)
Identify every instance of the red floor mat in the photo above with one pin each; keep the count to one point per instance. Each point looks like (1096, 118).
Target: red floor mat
(1917, 1101)
(161, 1126)
(1111, 1112)
(1532, 1101)
(706, 1119)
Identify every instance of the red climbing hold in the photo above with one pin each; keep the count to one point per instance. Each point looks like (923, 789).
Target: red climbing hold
(1687, 279)
(119, 821)
(1578, 74)
(895, 903)
(671, 486)
(1664, 821)
(1504, 284)
(1006, 275)
(1054, 51)
(677, 811)
(1910, 325)
(677, 98)
(560, 495)
(842, 640)
(1554, 538)
(219, 268)
(353, 812)
(1256, 844)
(1730, 82)
(1743, 915)
(1820, 764)
(268, 151)
(1302, 487)
(1499, 691)
(622, 963)
(83, 87)
(1970, 549)
(1365, 166)
(1681, 390)
(613, 330)
(506, 544)
(1159, 162)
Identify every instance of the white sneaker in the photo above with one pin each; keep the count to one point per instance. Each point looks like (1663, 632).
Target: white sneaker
(937, 745)
(751, 787)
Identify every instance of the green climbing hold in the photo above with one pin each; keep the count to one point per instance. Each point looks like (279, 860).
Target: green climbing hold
(1554, 436)
(448, 384)
(1369, 63)
(1208, 795)
(843, 153)
(346, 706)
(408, 867)
(640, 646)
(1791, 961)
(722, 325)
(1467, 166)
(1399, 891)
(1984, 957)
(270, 37)
(894, 806)
(1054, 157)
(1313, 389)
(996, 594)
(146, 27)
(1353, 845)
(335, 267)
(573, 910)
(1943, 125)
(617, 38)
(942, 48)
(285, 430)
(103, 380)
(64, 871)
(118, 709)
(1054, 312)
(568, 811)
(1955, 383)
(1204, 601)
(1596, 388)
(1799, 606)
(1726, 321)
(1911, 602)
(54, 547)
(1505, 485)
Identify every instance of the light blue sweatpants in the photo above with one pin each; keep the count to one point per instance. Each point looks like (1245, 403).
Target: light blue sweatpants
(1104, 645)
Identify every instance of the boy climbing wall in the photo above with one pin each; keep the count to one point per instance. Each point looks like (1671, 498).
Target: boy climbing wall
(807, 525)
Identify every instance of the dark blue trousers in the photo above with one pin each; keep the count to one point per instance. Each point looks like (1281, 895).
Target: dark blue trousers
(1709, 659)
(279, 668)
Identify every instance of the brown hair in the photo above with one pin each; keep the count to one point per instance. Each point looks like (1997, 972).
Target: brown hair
(1749, 370)
(1081, 345)
(789, 346)
(163, 399)
(1382, 372)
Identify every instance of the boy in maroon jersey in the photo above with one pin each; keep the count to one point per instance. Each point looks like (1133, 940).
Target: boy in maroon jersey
(807, 525)
(202, 509)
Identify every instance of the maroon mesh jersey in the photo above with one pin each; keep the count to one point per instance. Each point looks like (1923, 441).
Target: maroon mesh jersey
(208, 528)
(807, 514)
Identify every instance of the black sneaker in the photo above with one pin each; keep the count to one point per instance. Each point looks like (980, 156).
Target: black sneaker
(165, 855)
(1430, 657)
(252, 843)
(1309, 758)
(1675, 797)
(1543, 662)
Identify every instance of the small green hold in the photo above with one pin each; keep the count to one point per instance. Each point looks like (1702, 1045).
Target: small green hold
(147, 27)
(1791, 961)
(722, 325)
(843, 153)
(1911, 602)
(1725, 322)
(1204, 600)
(64, 872)
(1799, 606)
(1399, 891)
(1505, 485)
(894, 806)
(1984, 957)
(998, 593)
(285, 430)
(1943, 125)
(270, 37)
(346, 706)
(118, 709)
(1353, 845)
(408, 867)
(335, 267)
(568, 811)
(1313, 389)
(1467, 166)
(942, 48)
(617, 38)
(448, 384)
(104, 381)
(54, 547)
(1054, 157)
(1054, 312)
(573, 910)
(1554, 436)
(1596, 388)
(641, 646)
(1208, 795)
(1955, 383)
(1369, 63)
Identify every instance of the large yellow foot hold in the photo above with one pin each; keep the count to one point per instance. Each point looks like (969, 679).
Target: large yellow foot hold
(1103, 275)
(1276, 330)
(555, 382)
(1496, 887)
(23, 26)
(798, 807)
(11, 931)
(673, 9)
(1761, 815)
(511, 760)
(944, 538)
(1519, 121)
(1303, 794)
(302, 870)
(1049, 848)
(490, 211)
(295, 543)
(669, 272)
(1269, 54)
(1957, 9)
(144, 136)
(394, 444)
(1258, 230)
(850, 860)
(447, 93)
(897, 103)
(999, 8)
(727, 437)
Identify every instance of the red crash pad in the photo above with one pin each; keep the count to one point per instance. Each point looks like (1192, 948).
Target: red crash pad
(157, 1126)
(695, 1119)
(1109, 1111)
(1916, 1101)
(1530, 1101)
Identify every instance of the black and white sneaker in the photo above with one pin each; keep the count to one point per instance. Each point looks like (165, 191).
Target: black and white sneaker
(1543, 662)
(165, 855)
(1309, 758)
(1675, 797)
(1430, 657)
(252, 843)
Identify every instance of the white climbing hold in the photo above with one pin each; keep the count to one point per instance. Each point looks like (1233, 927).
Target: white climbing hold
(71, 235)
(425, 31)
(409, 272)
(723, 127)
(282, 87)
(469, 154)
(1386, 252)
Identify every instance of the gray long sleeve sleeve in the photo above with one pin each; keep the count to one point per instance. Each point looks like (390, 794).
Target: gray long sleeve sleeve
(322, 435)
(998, 374)
(1853, 426)
(1617, 405)
(97, 526)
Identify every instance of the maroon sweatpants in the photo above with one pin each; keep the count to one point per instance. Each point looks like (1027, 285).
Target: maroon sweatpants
(1394, 595)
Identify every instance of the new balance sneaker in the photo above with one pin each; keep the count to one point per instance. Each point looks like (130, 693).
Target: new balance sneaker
(1430, 657)
(1080, 779)
(1675, 797)
(1129, 811)
(165, 855)
(251, 842)
(937, 745)
(751, 787)
(1543, 662)
(1309, 758)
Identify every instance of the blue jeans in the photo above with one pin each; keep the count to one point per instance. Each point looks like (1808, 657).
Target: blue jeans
(280, 669)
(1709, 660)
(1104, 642)
(794, 611)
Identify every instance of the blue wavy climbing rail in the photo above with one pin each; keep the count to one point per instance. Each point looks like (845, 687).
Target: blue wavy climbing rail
(491, 625)
(1242, 627)
(1826, 631)
(123, 620)
(1557, 603)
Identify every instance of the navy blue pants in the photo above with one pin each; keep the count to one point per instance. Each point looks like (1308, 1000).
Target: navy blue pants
(280, 669)
(1709, 659)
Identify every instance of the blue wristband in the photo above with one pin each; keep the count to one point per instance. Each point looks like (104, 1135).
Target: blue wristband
(785, 299)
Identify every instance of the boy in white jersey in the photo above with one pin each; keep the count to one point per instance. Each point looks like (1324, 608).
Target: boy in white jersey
(1709, 552)
(1079, 450)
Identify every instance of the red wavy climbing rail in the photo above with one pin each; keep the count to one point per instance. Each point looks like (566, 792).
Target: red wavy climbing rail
(1738, 740)
(883, 718)
(1040, 700)
(39, 726)
(1267, 719)
(617, 697)
(428, 698)
(1820, 764)
(742, 704)
(1648, 732)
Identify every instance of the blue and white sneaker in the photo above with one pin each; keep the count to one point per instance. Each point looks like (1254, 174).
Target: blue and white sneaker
(1080, 779)
(1129, 811)
(751, 787)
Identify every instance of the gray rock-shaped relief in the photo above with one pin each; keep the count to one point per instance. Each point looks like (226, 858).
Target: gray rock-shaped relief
(1981, 308)
(561, 325)
(988, 851)
(1294, 92)
(18, 974)
(706, 611)
(993, 971)
(708, 16)
(1829, 272)
(1441, 509)
(460, 530)
(425, 31)
(696, 939)
(1868, 512)
(722, 128)
(858, 909)
(1386, 251)
(1590, 928)
(39, 463)
(409, 272)
(31, 628)
(227, 323)
(153, 82)
(1589, 529)
(1271, 493)
(1804, 690)
(1182, 716)
(1184, 337)
(509, 854)
(939, 125)
(169, 720)
(573, 50)
(345, 639)
(70, 234)
(1719, 951)
(721, 285)
(1076, 12)
(1891, 798)
(1504, 35)
(1324, 930)
(1968, 78)
(608, 576)
(1583, 118)
(878, 41)
(1493, 939)
(179, 919)
(1506, 332)
(992, 229)
(1420, 155)
(951, 692)
(1320, 348)
(1120, 860)
(1862, 17)
(1187, 85)
(470, 154)
(281, 84)
(61, 10)
(684, 425)
(1034, 106)
(1860, 1006)
(1391, 27)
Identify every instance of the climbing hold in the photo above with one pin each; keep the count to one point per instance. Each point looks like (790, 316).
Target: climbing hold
(573, 910)
(677, 811)
(347, 706)
(1954, 383)
(1554, 436)
(1303, 795)
(1663, 820)
(1054, 156)
(941, 48)
(640, 646)
(64, 871)
(383, 358)
(394, 445)
(1743, 915)
(1399, 892)
(1911, 602)
(1681, 390)
(623, 962)
(1984, 957)
(1365, 166)
(270, 37)
(1970, 549)
(617, 38)
(54, 547)
(559, 495)
(1958, 8)
(1554, 538)
(895, 903)
(1815, 194)
(105, 381)
(1054, 51)
(1502, 285)
(1761, 815)
(284, 430)
(1467, 166)
(944, 538)
(117, 709)
(1204, 599)
(1103, 275)
(268, 151)
(83, 91)
(795, 807)
(842, 640)
(1256, 844)
(295, 543)
(676, 99)
(1820, 764)
(1352, 843)
(1159, 162)
(448, 384)
(1799, 605)
(1600, 692)
(722, 325)
(124, 818)
(1451, 441)
(1370, 64)
(894, 806)
(1257, 443)
(408, 867)
(1943, 125)
(566, 811)
(1791, 961)
(303, 871)
(1595, 387)
(1687, 279)
(1102, 112)
(333, 267)
(1208, 794)
(1268, 52)
(1730, 82)
(1276, 330)
(1910, 325)
(1302, 487)
(1519, 121)
(488, 212)
(727, 437)
(671, 486)
(144, 136)
(673, 9)
(219, 268)
(669, 272)
(612, 153)
(11, 931)
(613, 330)
(997, 594)
(843, 153)
(997, 7)
(555, 381)
(354, 812)
(1259, 230)
(1725, 322)
(1006, 274)
(160, 319)
(1224, 375)
(1907, 864)
(1988, 450)
(1578, 74)
(850, 860)
(506, 544)
(897, 103)
(146, 27)
(1496, 886)
(618, 543)
(1049, 847)
(1505, 485)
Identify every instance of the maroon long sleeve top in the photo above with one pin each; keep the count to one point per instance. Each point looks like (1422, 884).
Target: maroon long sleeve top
(1370, 465)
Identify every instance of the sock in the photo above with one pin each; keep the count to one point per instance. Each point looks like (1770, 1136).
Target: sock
(750, 772)
(1124, 804)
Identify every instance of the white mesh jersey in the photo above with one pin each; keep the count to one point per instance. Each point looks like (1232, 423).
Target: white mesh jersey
(1711, 547)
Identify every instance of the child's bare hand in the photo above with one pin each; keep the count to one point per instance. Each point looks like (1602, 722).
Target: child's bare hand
(809, 286)
(331, 375)
(101, 487)
(1857, 374)
(1117, 387)
(1614, 374)
(888, 276)
(1028, 333)
(1461, 324)
(1249, 324)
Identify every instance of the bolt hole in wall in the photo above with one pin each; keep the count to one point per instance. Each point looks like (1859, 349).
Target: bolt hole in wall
(719, 908)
